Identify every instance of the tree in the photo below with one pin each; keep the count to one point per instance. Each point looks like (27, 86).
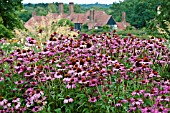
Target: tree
(116, 11)
(8, 15)
(77, 8)
(164, 15)
(138, 12)
(144, 12)
(52, 8)
(25, 15)
(40, 11)
(160, 25)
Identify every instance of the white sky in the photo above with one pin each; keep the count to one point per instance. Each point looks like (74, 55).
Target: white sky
(75, 1)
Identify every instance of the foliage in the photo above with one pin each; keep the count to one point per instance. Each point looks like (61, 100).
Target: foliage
(164, 15)
(137, 33)
(159, 26)
(52, 8)
(85, 26)
(8, 15)
(4, 32)
(65, 22)
(138, 12)
(106, 28)
(25, 15)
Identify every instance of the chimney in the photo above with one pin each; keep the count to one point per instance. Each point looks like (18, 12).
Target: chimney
(92, 15)
(124, 18)
(71, 7)
(61, 11)
(33, 13)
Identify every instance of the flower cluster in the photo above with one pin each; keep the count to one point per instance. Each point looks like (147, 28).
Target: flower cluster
(30, 41)
(106, 68)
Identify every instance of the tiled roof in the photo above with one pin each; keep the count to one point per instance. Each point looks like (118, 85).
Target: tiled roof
(100, 19)
(121, 25)
(36, 20)
(78, 18)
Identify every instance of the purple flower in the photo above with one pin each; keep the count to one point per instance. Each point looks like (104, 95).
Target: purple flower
(30, 41)
(57, 75)
(92, 99)
(68, 99)
(36, 109)
(138, 92)
(19, 82)
(70, 85)
(1, 79)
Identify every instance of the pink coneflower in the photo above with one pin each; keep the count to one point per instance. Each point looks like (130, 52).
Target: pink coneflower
(2, 101)
(45, 51)
(33, 83)
(29, 103)
(15, 99)
(147, 110)
(138, 102)
(68, 99)
(118, 80)
(30, 41)
(17, 105)
(92, 99)
(36, 109)
(70, 85)
(58, 75)
(19, 82)
(163, 98)
(110, 95)
(18, 66)
(1, 79)
(154, 74)
(161, 110)
(118, 104)
(145, 81)
(93, 82)
(124, 101)
(138, 92)
(29, 91)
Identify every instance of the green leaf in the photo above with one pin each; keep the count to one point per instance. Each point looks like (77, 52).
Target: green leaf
(81, 105)
(58, 110)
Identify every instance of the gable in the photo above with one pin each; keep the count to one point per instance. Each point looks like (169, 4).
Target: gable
(111, 21)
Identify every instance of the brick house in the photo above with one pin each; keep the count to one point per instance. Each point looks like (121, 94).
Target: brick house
(93, 18)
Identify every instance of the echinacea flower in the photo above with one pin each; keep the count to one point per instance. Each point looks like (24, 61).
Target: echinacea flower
(68, 99)
(138, 92)
(92, 99)
(70, 85)
(15, 99)
(19, 82)
(30, 41)
(118, 104)
(36, 108)
(1, 79)
(163, 98)
(57, 75)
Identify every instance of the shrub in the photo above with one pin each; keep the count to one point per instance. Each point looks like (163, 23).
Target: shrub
(65, 22)
(5, 33)
(105, 28)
